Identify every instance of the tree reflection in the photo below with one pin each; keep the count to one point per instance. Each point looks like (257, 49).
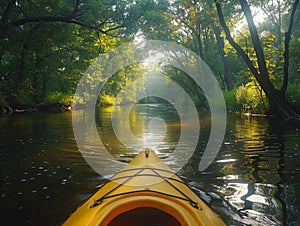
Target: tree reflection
(258, 167)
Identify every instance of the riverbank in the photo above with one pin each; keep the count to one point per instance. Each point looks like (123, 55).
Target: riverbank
(55, 107)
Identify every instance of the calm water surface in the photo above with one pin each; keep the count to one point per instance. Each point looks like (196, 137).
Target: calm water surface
(254, 180)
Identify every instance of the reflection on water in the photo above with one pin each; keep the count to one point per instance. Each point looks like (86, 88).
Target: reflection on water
(253, 181)
(256, 164)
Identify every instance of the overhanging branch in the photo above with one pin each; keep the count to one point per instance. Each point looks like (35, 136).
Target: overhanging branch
(70, 19)
(239, 50)
(63, 20)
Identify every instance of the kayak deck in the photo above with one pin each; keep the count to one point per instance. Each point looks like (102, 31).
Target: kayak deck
(146, 192)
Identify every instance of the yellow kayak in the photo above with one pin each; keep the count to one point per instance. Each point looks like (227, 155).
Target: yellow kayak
(146, 192)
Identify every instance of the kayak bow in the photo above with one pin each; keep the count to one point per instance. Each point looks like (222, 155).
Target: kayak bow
(145, 192)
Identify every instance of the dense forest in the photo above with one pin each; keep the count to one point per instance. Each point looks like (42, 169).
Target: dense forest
(253, 48)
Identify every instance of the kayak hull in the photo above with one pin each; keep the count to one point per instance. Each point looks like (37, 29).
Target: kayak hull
(146, 192)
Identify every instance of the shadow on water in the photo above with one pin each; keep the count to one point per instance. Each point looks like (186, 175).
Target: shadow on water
(253, 181)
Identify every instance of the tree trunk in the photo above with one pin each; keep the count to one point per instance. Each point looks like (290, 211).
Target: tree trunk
(226, 65)
(256, 42)
(199, 41)
(286, 48)
(227, 74)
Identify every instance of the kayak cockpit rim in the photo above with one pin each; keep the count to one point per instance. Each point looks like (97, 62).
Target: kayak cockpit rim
(132, 204)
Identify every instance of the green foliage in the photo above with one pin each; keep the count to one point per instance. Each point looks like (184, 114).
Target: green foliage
(3, 102)
(42, 61)
(293, 94)
(147, 16)
(230, 100)
(294, 69)
(106, 100)
(26, 97)
(274, 59)
(115, 89)
(60, 98)
(250, 98)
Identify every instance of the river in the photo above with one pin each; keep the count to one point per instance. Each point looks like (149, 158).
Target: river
(254, 180)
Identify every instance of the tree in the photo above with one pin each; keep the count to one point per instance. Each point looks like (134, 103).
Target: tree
(46, 45)
(194, 25)
(147, 17)
(261, 74)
